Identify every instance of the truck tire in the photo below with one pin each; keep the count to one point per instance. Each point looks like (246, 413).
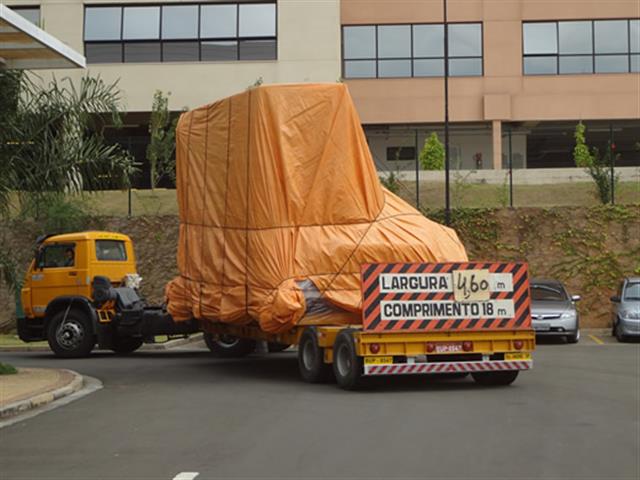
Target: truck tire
(495, 379)
(70, 336)
(347, 365)
(126, 345)
(228, 346)
(311, 358)
(275, 347)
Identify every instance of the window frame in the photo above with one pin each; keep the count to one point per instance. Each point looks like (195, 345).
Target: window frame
(199, 39)
(42, 255)
(594, 55)
(412, 59)
(120, 242)
(35, 6)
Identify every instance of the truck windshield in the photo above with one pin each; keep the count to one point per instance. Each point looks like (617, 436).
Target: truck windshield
(111, 250)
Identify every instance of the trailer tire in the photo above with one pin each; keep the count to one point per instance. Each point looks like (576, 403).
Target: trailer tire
(311, 358)
(347, 365)
(228, 346)
(70, 334)
(495, 379)
(126, 345)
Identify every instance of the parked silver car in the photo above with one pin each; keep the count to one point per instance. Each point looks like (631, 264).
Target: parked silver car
(553, 310)
(626, 309)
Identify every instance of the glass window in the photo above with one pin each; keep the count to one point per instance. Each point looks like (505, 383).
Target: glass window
(219, 51)
(142, 52)
(635, 63)
(30, 13)
(180, 52)
(576, 64)
(141, 23)
(394, 41)
(465, 40)
(57, 256)
(540, 65)
(611, 36)
(428, 68)
(547, 293)
(634, 35)
(612, 63)
(360, 69)
(258, 50)
(395, 154)
(465, 67)
(111, 250)
(359, 42)
(632, 291)
(428, 41)
(394, 68)
(218, 21)
(575, 37)
(103, 52)
(257, 20)
(540, 38)
(180, 21)
(102, 23)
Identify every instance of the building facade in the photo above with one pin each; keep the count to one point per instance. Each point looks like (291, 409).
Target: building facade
(523, 72)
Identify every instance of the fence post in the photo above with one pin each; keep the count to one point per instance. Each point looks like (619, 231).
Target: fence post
(129, 203)
(417, 173)
(510, 169)
(612, 156)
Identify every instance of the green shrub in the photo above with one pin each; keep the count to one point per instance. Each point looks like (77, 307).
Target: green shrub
(432, 154)
(391, 182)
(598, 166)
(57, 213)
(6, 369)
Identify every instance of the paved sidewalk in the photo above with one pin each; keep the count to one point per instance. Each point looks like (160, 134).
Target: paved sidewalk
(33, 387)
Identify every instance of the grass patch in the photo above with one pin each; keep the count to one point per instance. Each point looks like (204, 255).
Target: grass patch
(12, 340)
(6, 369)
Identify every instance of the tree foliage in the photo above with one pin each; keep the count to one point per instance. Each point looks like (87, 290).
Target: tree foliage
(432, 154)
(162, 145)
(597, 165)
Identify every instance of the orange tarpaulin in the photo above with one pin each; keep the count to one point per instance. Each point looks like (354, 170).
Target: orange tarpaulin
(280, 203)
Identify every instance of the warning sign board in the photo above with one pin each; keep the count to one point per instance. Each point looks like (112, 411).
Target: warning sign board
(445, 296)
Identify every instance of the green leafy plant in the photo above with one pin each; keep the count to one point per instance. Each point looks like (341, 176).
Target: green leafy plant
(598, 166)
(391, 182)
(503, 193)
(162, 144)
(432, 154)
(6, 369)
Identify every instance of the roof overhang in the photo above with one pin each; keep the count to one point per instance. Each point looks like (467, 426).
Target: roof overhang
(24, 46)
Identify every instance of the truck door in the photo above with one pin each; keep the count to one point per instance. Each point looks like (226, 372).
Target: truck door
(55, 274)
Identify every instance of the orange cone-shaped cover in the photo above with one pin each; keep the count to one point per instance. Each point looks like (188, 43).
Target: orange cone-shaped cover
(280, 203)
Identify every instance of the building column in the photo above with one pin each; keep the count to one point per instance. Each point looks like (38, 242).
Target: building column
(497, 145)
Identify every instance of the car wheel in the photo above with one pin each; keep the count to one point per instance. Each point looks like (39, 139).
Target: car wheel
(574, 337)
(228, 346)
(70, 334)
(347, 365)
(126, 345)
(311, 363)
(618, 332)
(495, 379)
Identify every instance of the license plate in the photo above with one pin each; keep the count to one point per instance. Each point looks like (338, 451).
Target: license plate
(378, 360)
(449, 347)
(517, 356)
(542, 327)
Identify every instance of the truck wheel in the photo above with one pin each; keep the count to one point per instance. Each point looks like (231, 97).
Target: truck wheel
(228, 346)
(347, 365)
(70, 336)
(275, 347)
(311, 358)
(494, 379)
(125, 345)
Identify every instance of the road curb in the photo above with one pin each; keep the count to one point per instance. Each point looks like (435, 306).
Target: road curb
(41, 399)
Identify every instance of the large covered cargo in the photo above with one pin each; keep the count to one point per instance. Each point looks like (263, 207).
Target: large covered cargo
(280, 204)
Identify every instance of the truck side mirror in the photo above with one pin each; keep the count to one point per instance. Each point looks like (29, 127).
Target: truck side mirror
(615, 299)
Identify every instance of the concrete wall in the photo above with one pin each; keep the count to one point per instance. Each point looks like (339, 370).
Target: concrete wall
(308, 51)
(503, 93)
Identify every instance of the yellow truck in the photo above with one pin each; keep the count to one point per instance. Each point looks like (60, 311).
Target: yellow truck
(81, 290)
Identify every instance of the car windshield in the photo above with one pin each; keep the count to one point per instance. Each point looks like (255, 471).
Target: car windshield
(632, 292)
(547, 293)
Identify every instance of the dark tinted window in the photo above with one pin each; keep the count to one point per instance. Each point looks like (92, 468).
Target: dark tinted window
(401, 153)
(216, 51)
(56, 256)
(142, 52)
(258, 50)
(103, 52)
(547, 293)
(180, 52)
(111, 250)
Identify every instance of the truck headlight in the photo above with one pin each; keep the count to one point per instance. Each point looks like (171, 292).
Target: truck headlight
(568, 315)
(630, 314)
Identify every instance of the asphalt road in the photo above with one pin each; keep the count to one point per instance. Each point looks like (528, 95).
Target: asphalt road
(576, 415)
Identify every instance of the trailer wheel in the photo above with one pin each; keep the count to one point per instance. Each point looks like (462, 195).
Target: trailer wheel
(126, 345)
(70, 334)
(347, 365)
(275, 347)
(228, 346)
(311, 358)
(495, 379)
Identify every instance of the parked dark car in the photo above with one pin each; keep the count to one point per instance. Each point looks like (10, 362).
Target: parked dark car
(626, 309)
(553, 310)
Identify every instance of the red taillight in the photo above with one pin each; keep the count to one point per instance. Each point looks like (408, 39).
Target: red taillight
(518, 344)
(431, 347)
(374, 348)
(467, 346)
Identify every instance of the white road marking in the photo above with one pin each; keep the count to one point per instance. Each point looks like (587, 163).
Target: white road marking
(186, 476)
